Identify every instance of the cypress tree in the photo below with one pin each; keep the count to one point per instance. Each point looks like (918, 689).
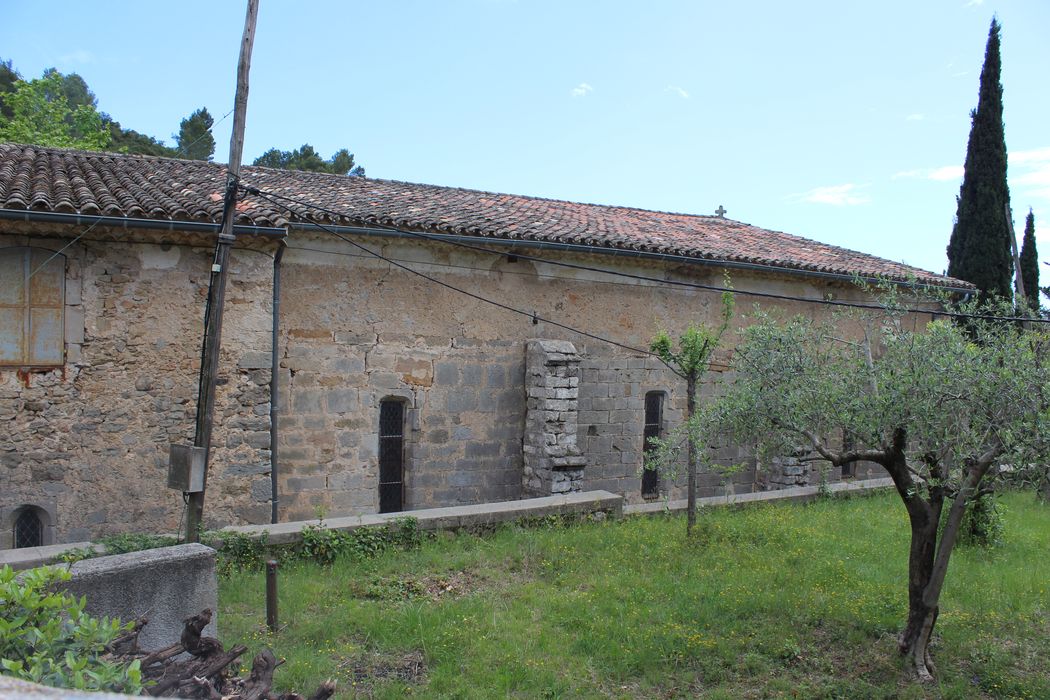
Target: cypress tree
(1030, 263)
(980, 248)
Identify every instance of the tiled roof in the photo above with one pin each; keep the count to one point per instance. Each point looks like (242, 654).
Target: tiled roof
(56, 180)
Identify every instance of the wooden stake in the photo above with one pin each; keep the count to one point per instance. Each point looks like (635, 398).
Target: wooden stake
(219, 273)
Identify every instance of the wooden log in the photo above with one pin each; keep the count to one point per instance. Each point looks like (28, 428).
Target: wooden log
(127, 644)
(260, 681)
(191, 633)
(180, 675)
(323, 692)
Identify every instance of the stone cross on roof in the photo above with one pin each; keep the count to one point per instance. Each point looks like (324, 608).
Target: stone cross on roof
(721, 211)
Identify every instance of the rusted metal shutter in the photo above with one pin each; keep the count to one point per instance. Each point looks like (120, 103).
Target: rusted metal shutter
(32, 294)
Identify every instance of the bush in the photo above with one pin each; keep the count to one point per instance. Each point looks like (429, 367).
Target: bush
(46, 637)
(982, 526)
(324, 546)
(236, 552)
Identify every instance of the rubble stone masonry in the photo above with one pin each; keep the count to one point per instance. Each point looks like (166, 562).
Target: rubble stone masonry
(87, 443)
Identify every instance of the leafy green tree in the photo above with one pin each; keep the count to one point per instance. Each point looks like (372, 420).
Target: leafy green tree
(1030, 262)
(42, 116)
(194, 140)
(9, 77)
(306, 158)
(133, 143)
(692, 359)
(938, 408)
(980, 249)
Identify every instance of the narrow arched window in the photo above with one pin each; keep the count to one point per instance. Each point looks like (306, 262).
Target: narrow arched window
(32, 297)
(391, 455)
(654, 418)
(29, 528)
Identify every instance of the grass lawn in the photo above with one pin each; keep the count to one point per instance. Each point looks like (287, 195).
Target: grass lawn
(794, 601)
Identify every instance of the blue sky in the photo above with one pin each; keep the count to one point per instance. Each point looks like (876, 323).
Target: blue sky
(840, 121)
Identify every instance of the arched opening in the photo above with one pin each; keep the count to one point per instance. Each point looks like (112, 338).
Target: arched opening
(654, 419)
(391, 455)
(28, 528)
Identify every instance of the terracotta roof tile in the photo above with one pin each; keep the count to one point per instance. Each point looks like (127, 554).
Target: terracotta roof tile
(46, 179)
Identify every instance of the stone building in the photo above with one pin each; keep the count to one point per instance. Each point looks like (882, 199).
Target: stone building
(393, 391)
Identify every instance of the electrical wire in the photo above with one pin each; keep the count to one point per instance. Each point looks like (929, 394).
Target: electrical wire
(619, 273)
(536, 318)
(183, 150)
(66, 246)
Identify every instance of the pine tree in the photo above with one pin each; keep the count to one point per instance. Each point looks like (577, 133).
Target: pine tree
(1030, 263)
(980, 248)
(194, 140)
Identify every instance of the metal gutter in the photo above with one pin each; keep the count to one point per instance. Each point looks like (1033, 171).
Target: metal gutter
(127, 222)
(274, 381)
(599, 250)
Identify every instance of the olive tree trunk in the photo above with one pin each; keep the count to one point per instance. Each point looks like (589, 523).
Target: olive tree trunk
(690, 407)
(929, 553)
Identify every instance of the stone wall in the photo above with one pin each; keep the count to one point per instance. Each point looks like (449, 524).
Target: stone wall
(87, 443)
(465, 412)
(553, 462)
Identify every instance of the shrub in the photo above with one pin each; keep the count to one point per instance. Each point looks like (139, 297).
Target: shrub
(46, 637)
(324, 546)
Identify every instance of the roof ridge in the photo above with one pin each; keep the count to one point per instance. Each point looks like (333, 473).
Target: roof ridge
(40, 178)
(313, 173)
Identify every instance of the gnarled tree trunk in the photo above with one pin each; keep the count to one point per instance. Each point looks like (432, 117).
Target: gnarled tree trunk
(914, 640)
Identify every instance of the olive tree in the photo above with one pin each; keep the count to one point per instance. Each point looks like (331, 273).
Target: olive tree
(938, 407)
(692, 358)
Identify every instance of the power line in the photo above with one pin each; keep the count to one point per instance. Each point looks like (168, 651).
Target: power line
(536, 318)
(182, 150)
(676, 283)
(63, 248)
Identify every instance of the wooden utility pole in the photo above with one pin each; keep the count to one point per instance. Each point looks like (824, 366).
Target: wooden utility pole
(219, 273)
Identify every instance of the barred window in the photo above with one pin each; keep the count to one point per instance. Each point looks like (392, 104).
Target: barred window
(391, 455)
(29, 528)
(654, 418)
(32, 293)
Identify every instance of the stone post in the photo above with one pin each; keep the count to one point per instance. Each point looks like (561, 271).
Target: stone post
(552, 461)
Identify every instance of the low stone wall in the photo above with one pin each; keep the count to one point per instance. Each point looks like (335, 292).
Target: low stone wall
(167, 585)
(453, 517)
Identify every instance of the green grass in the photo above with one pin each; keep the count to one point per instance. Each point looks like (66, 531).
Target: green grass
(794, 601)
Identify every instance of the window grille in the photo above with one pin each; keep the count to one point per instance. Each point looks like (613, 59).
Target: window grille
(391, 455)
(32, 294)
(654, 418)
(29, 530)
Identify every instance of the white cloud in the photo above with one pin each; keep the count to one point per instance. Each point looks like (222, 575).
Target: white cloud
(915, 117)
(581, 90)
(676, 89)
(78, 56)
(974, 3)
(837, 195)
(1029, 175)
(1036, 155)
(947, 172)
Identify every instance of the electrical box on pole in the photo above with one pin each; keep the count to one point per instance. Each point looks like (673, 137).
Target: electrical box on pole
(217, 287)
